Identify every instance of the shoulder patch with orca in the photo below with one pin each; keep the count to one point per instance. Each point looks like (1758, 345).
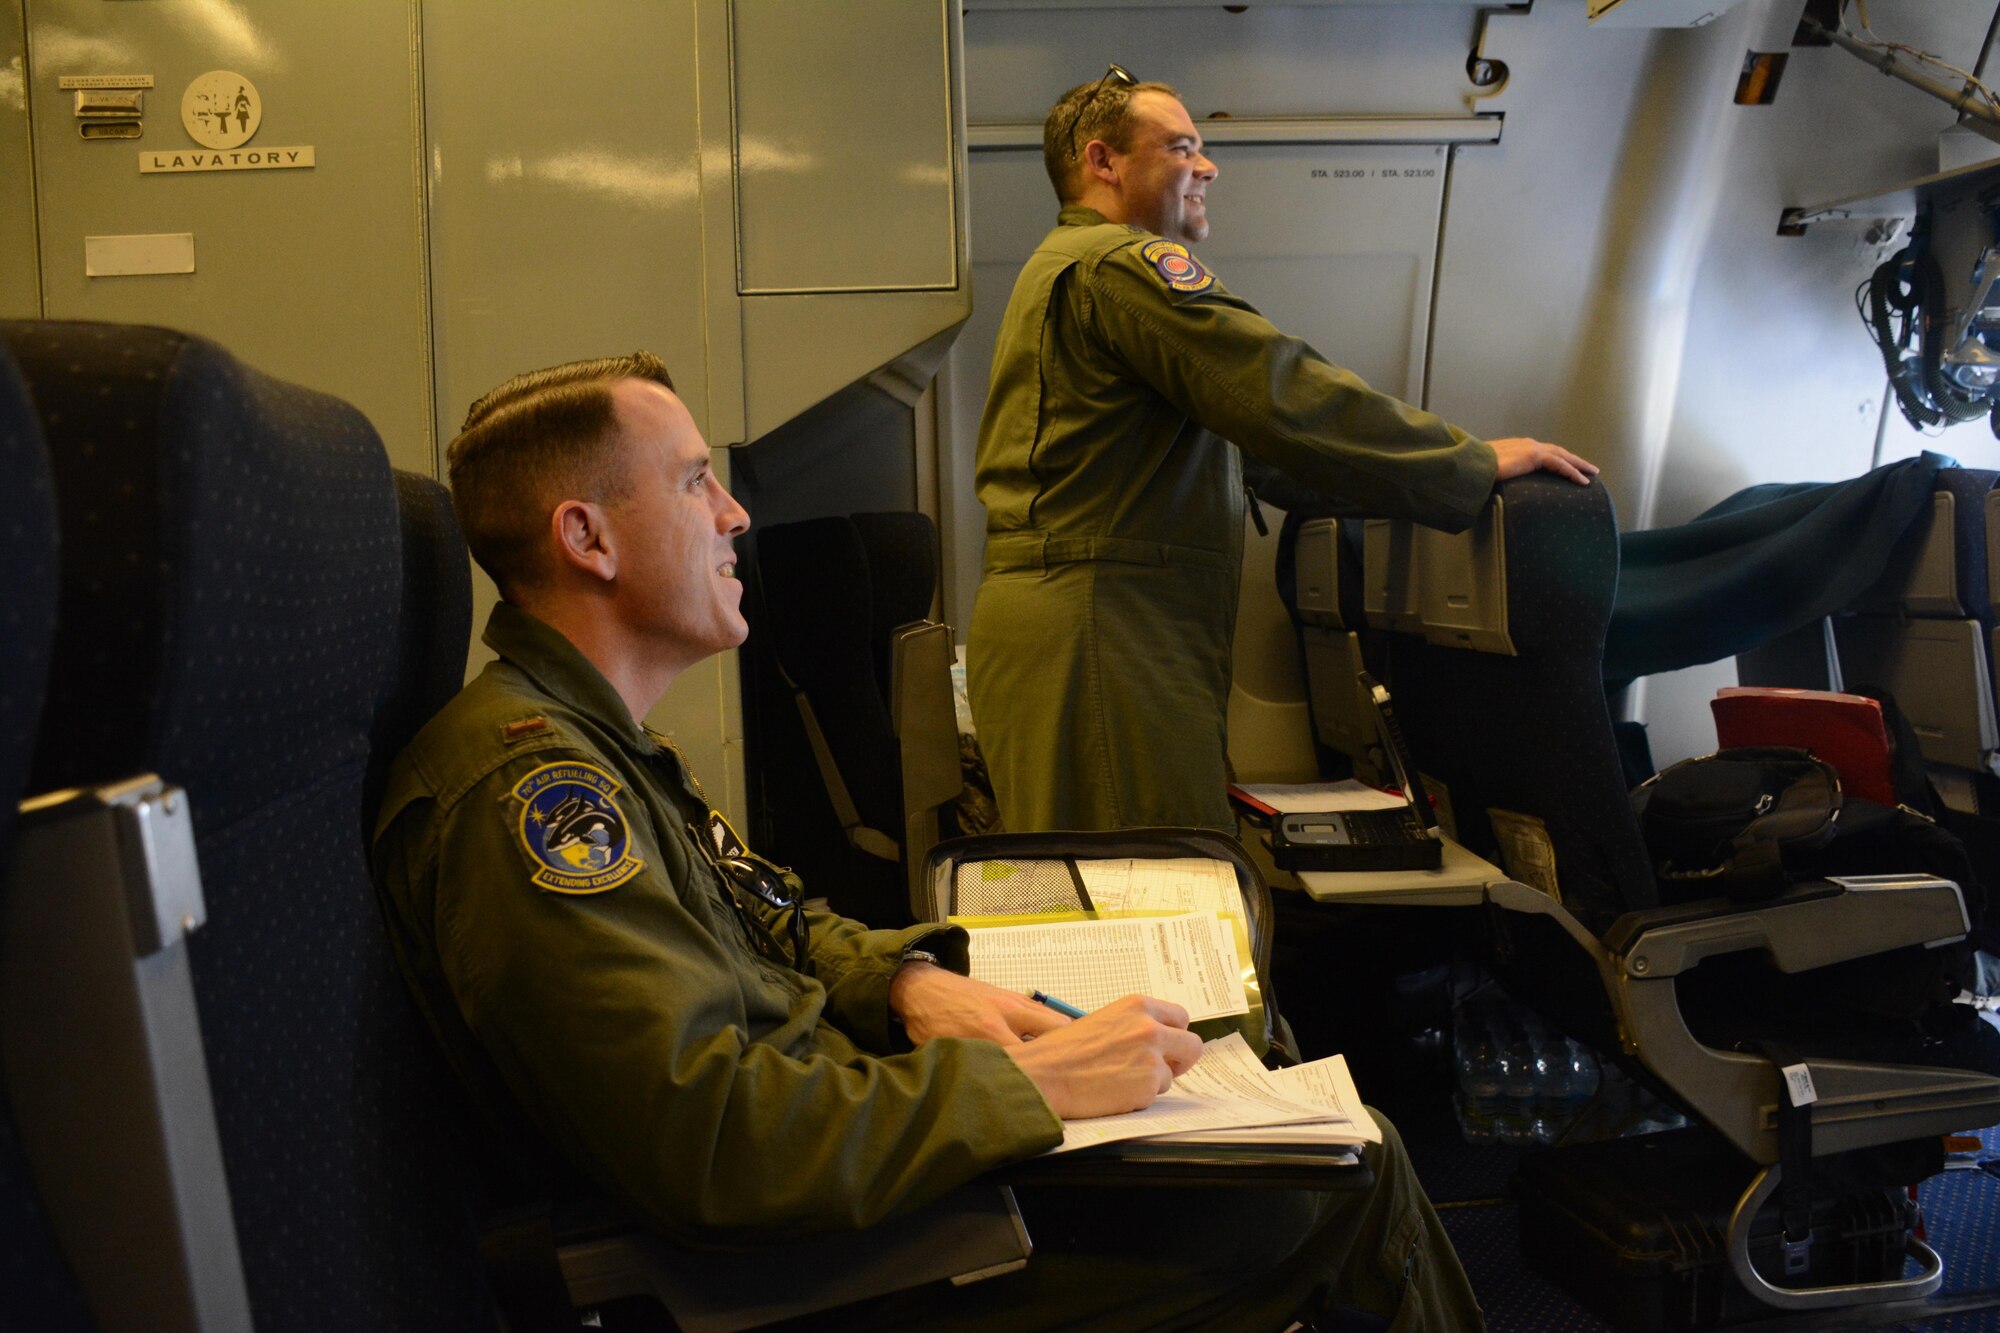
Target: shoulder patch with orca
(573, 830)
(1181, 271)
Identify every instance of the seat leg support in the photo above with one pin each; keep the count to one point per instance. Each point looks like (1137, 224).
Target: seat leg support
(1923, 1283)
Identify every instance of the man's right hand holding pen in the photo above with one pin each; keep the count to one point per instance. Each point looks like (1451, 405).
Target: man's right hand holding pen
(1118, 1058)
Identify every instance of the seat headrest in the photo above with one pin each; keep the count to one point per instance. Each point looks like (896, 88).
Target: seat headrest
(1938, 567)
(1537, 572)
(835, 588)
(435, 624)
(230, 598)
(1562, 562)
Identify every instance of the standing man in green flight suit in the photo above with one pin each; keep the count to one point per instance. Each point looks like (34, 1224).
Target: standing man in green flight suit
(612, 976)
(1125, 380)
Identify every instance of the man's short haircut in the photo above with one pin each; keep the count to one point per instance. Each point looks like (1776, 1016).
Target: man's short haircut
(1077, 118)
(537, 440)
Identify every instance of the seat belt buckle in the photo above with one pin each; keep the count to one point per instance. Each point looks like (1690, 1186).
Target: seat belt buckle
(1798, 1254)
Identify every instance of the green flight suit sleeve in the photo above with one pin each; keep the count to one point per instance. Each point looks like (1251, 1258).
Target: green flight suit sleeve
(855, 964)
(1219, 361)
(700, 1083)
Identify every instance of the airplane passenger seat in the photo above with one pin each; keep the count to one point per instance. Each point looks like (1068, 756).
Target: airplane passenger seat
(1500, 696)
(856, 738)
(230, 611)
(28, 616)
(38, 1286)
(1925, 631)
(1494, 658)
(434, 628)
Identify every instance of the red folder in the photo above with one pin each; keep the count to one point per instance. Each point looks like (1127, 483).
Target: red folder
(1845, 730)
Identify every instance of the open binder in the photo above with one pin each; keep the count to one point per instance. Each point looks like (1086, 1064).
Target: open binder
(1048, 874)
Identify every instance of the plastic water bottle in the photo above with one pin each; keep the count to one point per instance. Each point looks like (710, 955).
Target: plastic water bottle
(1549, 1070)
(1584, 1075)
(1476, 1052)
(1518, 1087)
(1570, 1081)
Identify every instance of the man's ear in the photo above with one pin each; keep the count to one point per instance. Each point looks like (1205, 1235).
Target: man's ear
(1098, 163)
(583, 539)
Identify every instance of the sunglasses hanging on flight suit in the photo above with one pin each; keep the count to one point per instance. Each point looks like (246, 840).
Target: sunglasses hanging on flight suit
(743, 871)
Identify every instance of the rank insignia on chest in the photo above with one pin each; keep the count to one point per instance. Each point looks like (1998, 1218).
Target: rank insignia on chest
(573, 830)
(1176, 267)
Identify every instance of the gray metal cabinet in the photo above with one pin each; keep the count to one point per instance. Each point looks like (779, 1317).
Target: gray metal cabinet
(314, 274)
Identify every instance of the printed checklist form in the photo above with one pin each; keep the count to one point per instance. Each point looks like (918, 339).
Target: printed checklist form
(1189, 959)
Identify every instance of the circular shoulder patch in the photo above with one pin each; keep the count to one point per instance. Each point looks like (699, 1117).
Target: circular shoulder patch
(573, 830)
(1176, 267)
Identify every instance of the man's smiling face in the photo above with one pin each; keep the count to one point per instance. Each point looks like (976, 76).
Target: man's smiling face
(1163, 178)
(677, 530)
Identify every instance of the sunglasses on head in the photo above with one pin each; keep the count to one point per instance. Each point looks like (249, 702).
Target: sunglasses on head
(1113, 75)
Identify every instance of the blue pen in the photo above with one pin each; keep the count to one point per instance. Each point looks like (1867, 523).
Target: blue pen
(1060, 1006)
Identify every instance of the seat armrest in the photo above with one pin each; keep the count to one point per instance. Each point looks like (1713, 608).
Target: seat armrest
(1860, 1104)
(972, 1233)
(920, 709)
(1809, 926)
(101, 1050)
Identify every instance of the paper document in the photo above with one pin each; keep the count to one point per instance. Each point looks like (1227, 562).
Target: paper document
(1318, 798)
(1188, 959)
(1324, 1084)
(1177, 884)
(1227, 1089)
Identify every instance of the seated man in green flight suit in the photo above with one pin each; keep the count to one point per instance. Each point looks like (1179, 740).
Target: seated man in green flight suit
(562, 901)
(1132, 395)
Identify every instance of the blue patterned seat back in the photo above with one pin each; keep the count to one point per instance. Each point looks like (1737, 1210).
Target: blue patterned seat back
(37, 1290)
(230, 607)
(1532, 733)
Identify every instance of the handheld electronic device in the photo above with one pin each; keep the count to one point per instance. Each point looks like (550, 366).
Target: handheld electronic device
(1405, 838)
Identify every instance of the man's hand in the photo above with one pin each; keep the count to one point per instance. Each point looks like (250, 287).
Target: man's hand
(933, 1001)
(1518, 457)
(1117, 1059)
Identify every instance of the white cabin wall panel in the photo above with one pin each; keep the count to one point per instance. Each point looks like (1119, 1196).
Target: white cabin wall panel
(849, 187)
(566, 196)
(565, 191)
(1528, 224)
(1781, 383)
(1266, 61)
(850, 184)
(313, 274)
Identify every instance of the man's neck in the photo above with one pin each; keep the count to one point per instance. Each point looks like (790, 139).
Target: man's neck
(1105, 203)
(638, 672)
